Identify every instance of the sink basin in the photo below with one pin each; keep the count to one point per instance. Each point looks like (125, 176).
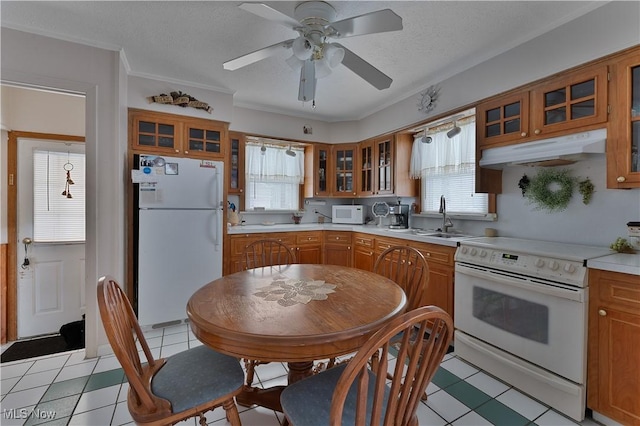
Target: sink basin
(398, 230)
(442, 235)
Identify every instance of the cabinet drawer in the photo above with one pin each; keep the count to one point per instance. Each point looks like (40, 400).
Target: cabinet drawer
(308, 238)
(337, 237)
(238, 243)
(621, 289)
(381, 244)
(360, 240)
(435, 252)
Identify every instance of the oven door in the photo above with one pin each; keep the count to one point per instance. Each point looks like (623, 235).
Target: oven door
(541, 322)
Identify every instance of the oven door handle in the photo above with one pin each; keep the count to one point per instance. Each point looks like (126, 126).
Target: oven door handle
(577, 294)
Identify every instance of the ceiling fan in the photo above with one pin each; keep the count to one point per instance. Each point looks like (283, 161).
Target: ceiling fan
(313, 52)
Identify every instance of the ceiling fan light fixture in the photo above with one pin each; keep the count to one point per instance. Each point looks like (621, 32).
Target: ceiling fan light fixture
(323, 69)
(333, 54)
(302, 48)
(294, 63)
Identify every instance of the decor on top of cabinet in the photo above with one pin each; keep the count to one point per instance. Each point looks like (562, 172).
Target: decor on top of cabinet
(180, 99)
(428, 99)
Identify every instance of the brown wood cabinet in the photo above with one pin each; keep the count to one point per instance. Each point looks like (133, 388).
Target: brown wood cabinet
(384, 166)
(176, 135)
(343, 167)
(337, 248)
(441, 274)
(317, 171)
(239, 242)
(569, 102)
(308, 247)
(613, 383)
(623, 138)
(363, 254)
(235, 170)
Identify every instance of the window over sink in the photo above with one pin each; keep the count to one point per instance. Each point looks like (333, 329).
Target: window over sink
(274, 171)
(444, 158)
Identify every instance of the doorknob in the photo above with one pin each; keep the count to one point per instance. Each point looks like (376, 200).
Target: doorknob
(26, 241)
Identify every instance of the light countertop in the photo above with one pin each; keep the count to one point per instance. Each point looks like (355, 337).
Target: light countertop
(618, 262)
(405, 234)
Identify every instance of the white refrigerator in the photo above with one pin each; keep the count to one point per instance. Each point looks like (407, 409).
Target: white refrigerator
(179, 238)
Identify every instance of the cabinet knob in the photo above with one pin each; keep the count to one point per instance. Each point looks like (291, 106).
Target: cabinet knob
(349, 248)
(536, 131)
(428, 254)
(241, 190)
(602, 312)
(523, 134)
(186, 152)
(621, 179)
(177, 150)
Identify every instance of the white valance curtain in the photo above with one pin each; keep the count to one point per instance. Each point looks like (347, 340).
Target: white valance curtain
(445, 155)
(273, 164)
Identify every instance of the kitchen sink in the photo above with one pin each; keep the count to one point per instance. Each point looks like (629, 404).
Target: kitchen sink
(439, 234)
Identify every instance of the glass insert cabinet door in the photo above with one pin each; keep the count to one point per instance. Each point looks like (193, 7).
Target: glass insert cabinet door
(344, 170)
(384, 156)
(366, 169)
(204, 140)
(635, 118)
(154, 134)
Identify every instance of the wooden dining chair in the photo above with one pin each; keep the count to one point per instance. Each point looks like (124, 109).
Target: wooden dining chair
(359, 393)
(167, 390)
(267, 252)
(260, 254)
(407, 267)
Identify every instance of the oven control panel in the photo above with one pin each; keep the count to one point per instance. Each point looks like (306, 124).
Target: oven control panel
(569, 271)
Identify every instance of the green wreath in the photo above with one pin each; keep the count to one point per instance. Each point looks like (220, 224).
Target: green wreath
(551, 189)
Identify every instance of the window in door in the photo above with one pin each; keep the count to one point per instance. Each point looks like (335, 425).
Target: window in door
(58, 196)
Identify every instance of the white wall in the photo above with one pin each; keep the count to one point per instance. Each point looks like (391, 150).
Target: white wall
(31, 59)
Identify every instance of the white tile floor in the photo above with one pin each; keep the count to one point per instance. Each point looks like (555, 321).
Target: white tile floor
(25, 383)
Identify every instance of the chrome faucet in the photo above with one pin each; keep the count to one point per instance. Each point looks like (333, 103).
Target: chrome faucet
(446, 222)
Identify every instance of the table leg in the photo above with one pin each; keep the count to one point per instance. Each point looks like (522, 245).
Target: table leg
(270, 397)
(299, 370)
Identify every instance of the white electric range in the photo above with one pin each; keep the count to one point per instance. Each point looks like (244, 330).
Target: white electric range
(521, 314)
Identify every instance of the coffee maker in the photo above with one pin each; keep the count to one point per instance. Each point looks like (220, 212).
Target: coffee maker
(399, 215)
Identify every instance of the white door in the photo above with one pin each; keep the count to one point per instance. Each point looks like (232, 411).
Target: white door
(50, 282)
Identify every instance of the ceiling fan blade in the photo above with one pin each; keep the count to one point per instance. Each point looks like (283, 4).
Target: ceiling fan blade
(369, 23)
(364, 69)
(256, 56)
(267, 12)
(307, 90)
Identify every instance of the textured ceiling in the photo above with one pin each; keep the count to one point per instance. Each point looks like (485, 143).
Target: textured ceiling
(186, 41)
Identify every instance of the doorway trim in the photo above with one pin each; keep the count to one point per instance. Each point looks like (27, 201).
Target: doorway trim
(12, 219)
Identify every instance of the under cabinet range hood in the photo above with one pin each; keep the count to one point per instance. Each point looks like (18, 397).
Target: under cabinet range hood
(546, 152)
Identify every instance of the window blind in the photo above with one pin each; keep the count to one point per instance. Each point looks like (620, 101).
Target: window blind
(57, 217)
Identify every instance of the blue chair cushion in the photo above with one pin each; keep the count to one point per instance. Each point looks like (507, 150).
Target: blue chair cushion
(308, 402)
(196, 376)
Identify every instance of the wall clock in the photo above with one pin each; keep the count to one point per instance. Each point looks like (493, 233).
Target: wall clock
(428, 99)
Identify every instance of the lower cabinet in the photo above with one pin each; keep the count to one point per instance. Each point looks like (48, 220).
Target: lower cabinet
(363, 255)
(308, 247)
(337, 248)
(356, 249)
(239, 242)
(613, 372)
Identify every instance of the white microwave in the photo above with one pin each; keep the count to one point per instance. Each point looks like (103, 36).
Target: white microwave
(348, 214)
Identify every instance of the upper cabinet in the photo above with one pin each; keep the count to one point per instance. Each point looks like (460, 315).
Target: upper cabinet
(236, 164)
(344, 170)
(317, 173)
(574, 101)
(176, 135)
(623, 139)
(384, 166)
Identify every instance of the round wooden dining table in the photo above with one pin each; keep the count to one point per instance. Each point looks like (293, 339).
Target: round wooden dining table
(292, 313)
